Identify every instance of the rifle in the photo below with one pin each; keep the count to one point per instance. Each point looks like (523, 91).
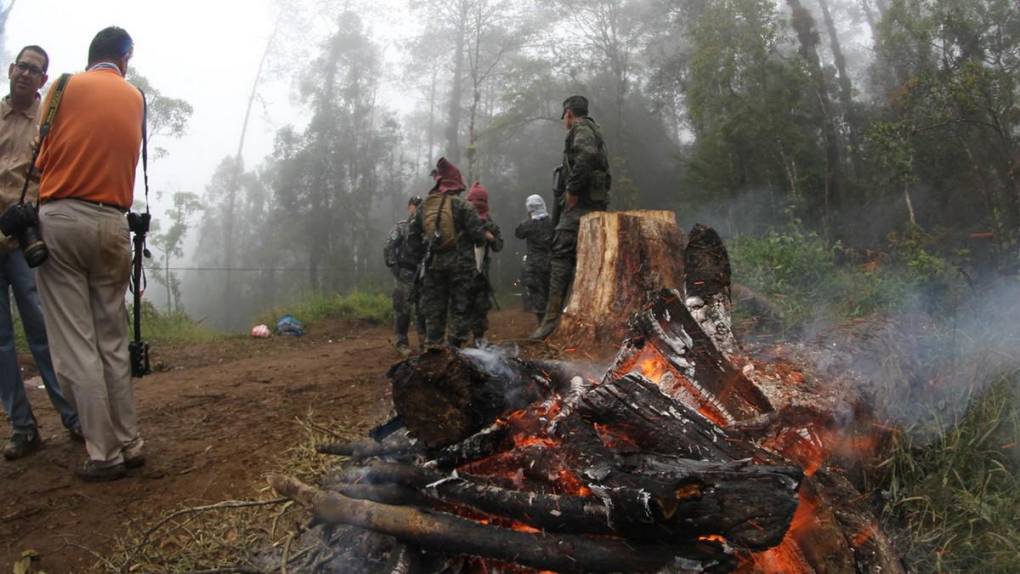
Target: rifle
(430, 244)
(559, 187)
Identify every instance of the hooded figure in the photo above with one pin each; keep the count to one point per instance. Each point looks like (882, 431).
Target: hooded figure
(448, 267)
(481, 295)
(536, 207)
(537, 230)
(479, 197)
(448, 178)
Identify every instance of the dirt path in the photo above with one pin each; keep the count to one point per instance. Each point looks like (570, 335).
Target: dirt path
(213, 424)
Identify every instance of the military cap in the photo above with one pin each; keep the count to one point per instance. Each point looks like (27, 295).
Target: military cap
(576, 104)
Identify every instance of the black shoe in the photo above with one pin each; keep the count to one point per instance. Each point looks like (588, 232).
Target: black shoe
(22, 444)
(133, 455)
(89, 472)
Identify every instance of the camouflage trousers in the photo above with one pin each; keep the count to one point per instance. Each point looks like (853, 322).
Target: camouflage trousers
(406, 303)
(479, 305)
(564, 256)
(535, 280)
(445, 293)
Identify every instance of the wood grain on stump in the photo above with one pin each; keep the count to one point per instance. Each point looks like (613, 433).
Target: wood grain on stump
(622, 256)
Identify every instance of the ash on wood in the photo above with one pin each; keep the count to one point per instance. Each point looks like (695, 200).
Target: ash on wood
(672, 461)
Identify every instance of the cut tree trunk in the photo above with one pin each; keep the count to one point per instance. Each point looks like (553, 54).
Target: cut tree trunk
(622, 256)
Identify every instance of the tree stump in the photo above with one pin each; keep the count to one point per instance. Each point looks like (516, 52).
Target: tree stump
(622, 256)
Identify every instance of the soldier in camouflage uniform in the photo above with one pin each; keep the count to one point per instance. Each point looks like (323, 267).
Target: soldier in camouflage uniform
(481, 296)
(584, 187)
(537, 230)
(447, 275)
(403, 262)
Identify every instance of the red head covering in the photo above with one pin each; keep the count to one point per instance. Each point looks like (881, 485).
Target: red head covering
(448, 179)
(479, 197)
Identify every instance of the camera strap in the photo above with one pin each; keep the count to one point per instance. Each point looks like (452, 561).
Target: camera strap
(44, 129)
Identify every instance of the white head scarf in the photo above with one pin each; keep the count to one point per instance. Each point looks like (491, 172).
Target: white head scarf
(536, 207)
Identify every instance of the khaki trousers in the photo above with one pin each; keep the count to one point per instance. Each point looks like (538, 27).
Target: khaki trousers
(82, 287)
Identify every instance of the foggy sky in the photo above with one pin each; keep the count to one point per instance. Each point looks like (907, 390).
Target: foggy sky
(203, 51)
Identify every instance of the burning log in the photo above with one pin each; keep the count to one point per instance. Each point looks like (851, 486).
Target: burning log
(699, 500)
(682, 456)
(669, 346)
(621, 256)
(446, 396)
(446, 533)
(637, 409)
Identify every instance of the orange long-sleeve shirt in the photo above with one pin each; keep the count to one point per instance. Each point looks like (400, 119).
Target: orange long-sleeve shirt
(92, 149)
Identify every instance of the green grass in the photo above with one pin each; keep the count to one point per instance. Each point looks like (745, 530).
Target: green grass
(956, 491)
(801, 275)
(375, 308)
(174, 327)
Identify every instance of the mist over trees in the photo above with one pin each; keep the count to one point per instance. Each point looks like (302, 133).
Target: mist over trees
(857, 118)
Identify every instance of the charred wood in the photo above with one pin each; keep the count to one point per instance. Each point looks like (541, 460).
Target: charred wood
(446, 396)
(706, 378)
(454, 535)
(636, 409)
(749, 506)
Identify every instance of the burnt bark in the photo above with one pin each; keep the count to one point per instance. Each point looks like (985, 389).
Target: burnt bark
(750, 506)
(455, 535)
(698, 374)
(446, 396)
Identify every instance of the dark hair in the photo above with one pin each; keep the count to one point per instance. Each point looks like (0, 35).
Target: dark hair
(110, 44)
(415, 201)
(37, 50)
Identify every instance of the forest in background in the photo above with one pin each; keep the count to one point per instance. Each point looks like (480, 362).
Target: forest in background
(857, 120)
(864, 132)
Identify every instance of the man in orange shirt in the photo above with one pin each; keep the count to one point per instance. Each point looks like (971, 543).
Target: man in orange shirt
(88, 163)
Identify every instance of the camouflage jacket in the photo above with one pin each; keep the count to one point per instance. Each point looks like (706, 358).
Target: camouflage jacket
(494, 247)
(470, 231)
(538, 233)
(585, 170)
(399, 253)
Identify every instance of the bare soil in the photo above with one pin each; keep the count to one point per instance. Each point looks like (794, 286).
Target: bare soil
(215, 420)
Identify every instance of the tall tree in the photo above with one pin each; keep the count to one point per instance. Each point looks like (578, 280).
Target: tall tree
(804, 24)
(170, 242)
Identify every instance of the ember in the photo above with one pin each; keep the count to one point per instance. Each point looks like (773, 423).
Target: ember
(675, 461)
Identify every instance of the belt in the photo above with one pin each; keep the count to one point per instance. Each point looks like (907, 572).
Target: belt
(89, 201)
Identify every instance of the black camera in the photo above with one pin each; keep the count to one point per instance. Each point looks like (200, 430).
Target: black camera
(139, 222)
(21, 221)
(139, 358)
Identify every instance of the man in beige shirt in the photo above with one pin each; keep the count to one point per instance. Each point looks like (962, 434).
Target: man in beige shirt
(19, 113)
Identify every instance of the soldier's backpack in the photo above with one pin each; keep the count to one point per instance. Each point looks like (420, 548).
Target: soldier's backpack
(438, 216)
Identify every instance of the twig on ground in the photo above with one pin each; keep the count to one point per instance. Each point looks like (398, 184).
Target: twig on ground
(228, 504)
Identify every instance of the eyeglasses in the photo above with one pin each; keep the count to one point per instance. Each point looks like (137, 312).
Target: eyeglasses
(26, 68)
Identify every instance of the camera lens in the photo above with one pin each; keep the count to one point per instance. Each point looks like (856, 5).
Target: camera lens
(33, 248)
